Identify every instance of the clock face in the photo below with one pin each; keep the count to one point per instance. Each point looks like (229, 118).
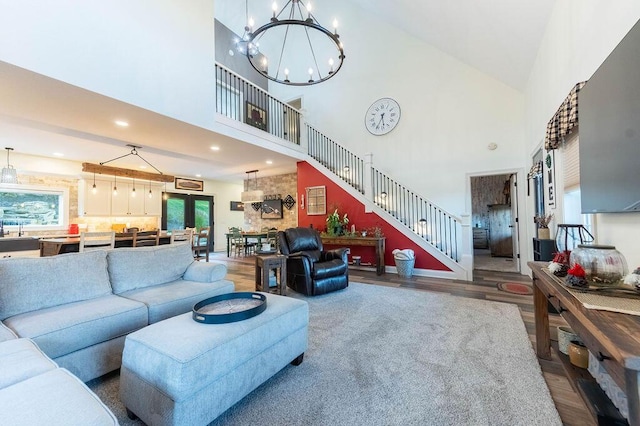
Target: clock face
(382, 116)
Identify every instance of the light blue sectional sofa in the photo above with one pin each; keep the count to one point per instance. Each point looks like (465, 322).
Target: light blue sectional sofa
(79, 307)
(71, 313)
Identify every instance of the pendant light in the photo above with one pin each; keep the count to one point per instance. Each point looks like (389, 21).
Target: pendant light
(9, 174)
(150, 193)
(115, 187)
(252, 196)
(133, 190)
(94, 189)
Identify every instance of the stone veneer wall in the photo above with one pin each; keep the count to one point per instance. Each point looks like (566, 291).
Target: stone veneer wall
(87, 223)
(283, 185)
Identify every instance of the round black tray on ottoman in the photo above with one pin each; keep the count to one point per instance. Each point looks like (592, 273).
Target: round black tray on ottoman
(230, 307)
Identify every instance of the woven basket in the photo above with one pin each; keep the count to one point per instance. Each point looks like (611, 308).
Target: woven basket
(405, 267)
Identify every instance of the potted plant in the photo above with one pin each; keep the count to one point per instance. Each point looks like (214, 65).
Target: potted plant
(543, 226)
(335, 224)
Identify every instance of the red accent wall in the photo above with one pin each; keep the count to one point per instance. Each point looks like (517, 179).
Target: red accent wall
(339, 198)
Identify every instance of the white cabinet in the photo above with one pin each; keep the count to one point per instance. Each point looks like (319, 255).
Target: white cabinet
(105, 203)
(153, 204)
(125, 203)
(94, 204)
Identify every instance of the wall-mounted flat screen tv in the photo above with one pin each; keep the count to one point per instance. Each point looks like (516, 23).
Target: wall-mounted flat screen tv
(609, 129)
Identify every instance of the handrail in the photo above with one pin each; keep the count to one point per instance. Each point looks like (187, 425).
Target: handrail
(242, 100)
(344, 164)
(431, 223)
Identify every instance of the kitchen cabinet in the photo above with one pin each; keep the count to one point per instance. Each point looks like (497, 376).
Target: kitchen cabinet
(480, 240)
(105, 203)
(500, 239)
(153, 204)
(98, 204)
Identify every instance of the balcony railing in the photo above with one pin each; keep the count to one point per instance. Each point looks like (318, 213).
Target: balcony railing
(241, 100)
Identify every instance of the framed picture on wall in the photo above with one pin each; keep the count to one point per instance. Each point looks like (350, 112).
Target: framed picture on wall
(189, 184)
(272, 209)
(237, 206)
(256, 116)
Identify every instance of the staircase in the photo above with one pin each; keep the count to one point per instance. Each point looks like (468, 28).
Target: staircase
(440, 233)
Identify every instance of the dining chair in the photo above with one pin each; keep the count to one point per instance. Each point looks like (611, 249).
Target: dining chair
(146, 238)
(272, 238)
(200, 244)
(97, 240)
(182, 236)
(238, 243)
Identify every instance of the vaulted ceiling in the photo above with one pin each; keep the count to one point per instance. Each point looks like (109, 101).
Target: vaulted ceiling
(500, 38)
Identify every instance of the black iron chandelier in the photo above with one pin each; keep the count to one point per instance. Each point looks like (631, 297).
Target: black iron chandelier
(292, 37)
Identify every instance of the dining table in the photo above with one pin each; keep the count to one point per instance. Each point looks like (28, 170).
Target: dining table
(246, 235)
(62, 245)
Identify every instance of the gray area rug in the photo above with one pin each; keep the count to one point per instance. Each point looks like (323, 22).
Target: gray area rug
(390, 356)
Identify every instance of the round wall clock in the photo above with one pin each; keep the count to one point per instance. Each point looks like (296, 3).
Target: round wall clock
(382, 116)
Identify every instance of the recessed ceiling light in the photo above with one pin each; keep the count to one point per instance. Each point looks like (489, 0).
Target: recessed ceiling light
(58, 154)
(269, 162)
(215, 148)
(143, 166)
(198, 175)
(121, 123)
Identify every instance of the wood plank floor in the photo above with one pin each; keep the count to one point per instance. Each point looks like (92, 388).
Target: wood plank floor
(569, 404)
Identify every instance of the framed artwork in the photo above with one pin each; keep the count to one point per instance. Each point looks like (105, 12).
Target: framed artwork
(316, 200)
(237, 206)
(189, 184)
(256, 117)
(272, 209)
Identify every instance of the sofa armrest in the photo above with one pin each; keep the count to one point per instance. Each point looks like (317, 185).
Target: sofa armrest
(339, 253)
(205, 272)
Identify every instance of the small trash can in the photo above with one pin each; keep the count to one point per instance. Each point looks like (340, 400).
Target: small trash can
(405, 267)
(405, 261)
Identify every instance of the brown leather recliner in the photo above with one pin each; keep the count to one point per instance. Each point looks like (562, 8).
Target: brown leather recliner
(310, 269)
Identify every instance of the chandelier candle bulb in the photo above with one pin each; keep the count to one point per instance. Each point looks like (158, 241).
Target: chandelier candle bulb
(274, 6)
(335, 26)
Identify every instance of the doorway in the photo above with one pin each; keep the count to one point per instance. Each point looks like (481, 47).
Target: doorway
(494, 201)
(181, 211)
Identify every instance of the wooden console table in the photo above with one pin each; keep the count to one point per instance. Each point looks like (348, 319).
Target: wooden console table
(614, 338)
(377, 243)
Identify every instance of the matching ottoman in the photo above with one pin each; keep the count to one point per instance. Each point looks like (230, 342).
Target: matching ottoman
(181, 372)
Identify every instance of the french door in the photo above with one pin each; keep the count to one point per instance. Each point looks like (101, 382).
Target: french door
(181, 211)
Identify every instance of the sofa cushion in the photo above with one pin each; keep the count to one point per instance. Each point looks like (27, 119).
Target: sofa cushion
(133, 268)
(171, 299)
(61, 330)
(31, 284)
(21, 359)
(6, 333)
(205, 272)
(53, 398)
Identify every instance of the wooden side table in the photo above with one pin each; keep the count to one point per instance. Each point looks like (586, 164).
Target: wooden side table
(264, 264)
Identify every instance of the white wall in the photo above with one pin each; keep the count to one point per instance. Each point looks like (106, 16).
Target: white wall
(450, 111)
(579, 37)
(156, 54)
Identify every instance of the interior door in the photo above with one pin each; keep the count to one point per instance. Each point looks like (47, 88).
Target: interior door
(514, 220)
(181, 211)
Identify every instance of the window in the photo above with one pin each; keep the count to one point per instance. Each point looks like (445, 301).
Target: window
(571, 174)
(33, 207)
(316, 200)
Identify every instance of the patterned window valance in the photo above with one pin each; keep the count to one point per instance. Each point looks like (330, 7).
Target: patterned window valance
(564, 120)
